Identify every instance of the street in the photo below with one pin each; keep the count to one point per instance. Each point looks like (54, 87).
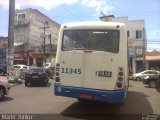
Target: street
(41, 100)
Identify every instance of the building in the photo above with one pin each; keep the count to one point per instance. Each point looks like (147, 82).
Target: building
(137, 42)
(3, 50)
(35, 37)
(153, 60)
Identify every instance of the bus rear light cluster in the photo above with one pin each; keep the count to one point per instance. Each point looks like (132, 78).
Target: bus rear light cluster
(120, 73)
(119, 85)
(57, 79)
(57, 73)
(120, 79)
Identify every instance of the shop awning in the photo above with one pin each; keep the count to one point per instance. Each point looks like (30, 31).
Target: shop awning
(39, 55)
(152, 57)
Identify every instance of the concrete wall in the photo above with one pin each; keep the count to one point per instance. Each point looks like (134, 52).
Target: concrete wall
(30, 32)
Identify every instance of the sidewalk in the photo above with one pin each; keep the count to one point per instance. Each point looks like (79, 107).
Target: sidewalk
(5, 79)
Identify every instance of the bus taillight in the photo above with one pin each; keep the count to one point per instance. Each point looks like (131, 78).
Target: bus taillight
(120, 78)
(119, 85)
(57, 79)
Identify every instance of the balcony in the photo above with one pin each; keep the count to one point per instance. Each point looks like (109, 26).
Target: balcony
(21, 22)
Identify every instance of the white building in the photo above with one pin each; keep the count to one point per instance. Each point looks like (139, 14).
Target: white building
(35, 37)
(137, 42)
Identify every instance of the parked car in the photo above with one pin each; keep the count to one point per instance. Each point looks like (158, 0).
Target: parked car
(140, 76)
(151, 80)
(4, 89)
(22, 68)
(3, 68)
(47, 65)
(36, 75)
(50, 64)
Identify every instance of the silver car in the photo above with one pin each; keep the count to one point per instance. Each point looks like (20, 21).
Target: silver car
(22, 68)
(4, 89)
(140, 76)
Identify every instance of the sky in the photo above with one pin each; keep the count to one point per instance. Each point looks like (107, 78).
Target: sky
(64, 11)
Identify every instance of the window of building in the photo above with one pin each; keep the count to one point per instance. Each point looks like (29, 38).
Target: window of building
(21, 30)
(128, 33)
(21, 17)
(139, 51)
(20, 38)
(138, 34)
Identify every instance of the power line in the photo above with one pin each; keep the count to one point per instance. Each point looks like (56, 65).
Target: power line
(70, 12)
(137, 13)
(153, 41)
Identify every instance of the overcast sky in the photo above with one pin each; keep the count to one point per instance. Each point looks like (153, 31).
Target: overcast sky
(63, 11)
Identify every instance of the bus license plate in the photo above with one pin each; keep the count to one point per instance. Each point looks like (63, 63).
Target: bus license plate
(86, 96)
(35, 76)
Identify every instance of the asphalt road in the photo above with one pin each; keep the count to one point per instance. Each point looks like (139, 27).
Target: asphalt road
(41, 100)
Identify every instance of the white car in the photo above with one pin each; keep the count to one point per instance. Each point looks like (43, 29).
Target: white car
(4, 89)
(47, 65)
(140, 76)
(22, 68)
(50, 64)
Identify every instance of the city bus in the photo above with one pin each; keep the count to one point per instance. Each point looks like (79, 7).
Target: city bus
(92, 62)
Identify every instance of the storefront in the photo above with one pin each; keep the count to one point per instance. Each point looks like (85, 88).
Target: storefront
(140, 60)
(21, 58)
(153, 62)
(2, 55)
(39, 59)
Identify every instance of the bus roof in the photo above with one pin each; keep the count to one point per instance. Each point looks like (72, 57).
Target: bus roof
(92, 24)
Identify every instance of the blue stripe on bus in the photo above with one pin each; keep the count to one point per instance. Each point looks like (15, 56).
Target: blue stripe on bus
(109, 96)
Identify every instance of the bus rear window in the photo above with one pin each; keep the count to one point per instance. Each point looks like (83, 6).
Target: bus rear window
(98, 40)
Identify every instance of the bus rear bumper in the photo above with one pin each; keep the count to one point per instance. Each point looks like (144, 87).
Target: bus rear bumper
(109, 96)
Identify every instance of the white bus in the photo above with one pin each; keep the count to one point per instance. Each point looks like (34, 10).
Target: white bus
(92, 62)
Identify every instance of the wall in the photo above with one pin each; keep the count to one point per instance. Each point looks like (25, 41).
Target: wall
(30, 32)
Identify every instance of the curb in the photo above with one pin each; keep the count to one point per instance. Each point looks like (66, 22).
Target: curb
(14, 83)
(11, 82)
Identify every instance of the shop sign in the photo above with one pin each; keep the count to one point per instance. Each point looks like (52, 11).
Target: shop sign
(39, 55)
(20, 56)
(139, 52)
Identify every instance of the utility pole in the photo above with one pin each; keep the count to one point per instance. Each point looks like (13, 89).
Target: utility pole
(45, 23)
(144, 48)
(11, 27)
(50, 46)
(10, 51)
(44, 32)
